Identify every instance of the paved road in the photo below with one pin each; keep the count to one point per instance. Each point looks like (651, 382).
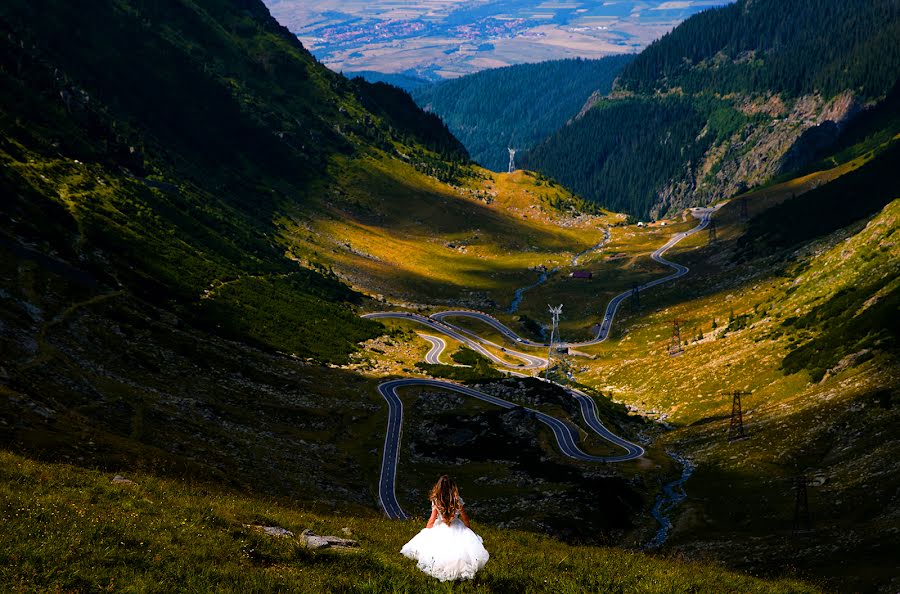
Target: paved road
(704, 214)
(566, 437)
(589, 413)
(387, 492)
(471, 340)
(438, 345)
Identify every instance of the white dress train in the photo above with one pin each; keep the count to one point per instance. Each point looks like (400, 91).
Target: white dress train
(447, 552)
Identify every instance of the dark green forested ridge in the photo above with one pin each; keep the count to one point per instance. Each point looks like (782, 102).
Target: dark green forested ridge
(516, 106)
(759, 46)
(730, 99)
(407, 82)
(622, 151)
(409, 123)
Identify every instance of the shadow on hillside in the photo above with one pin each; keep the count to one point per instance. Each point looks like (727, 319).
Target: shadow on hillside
(104, 380)
(745, 518)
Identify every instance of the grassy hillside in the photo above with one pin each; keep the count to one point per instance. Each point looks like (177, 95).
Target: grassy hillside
(75, 530)
(811, 334)
(163, 172)
(730, 99)
(190, 232)
(806, 324)
(407, 239)
(854, 196)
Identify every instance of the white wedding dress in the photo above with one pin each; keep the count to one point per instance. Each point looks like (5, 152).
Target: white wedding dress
(451, 552)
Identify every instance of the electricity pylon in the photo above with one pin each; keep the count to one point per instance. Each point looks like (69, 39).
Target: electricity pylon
(675, 347)
(802, 517)
(736, 428)
(554, 350)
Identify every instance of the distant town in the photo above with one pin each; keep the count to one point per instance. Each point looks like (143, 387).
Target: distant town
(346, 35)
(440, 39)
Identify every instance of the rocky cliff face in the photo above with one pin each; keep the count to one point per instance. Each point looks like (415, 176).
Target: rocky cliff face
(791, 135)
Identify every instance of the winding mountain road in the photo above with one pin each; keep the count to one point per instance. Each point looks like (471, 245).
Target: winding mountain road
(471, 340)
(566, 437)
(438, 345)
(704, 214)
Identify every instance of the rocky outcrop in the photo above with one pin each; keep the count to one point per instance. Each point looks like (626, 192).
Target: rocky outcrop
(271, 530)
(315, 541)
(595, 98)
(792, 135)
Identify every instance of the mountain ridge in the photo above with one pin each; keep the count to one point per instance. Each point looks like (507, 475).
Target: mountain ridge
(769, 122)
(516, 106)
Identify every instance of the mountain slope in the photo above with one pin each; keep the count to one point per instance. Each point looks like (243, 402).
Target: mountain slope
(180, 226)
(516, 106)
(151, 313)
(730, 99)
(173, 161)
(407, 82)
(175, 310)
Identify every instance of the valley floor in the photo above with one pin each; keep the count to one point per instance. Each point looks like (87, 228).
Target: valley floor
(737, 324)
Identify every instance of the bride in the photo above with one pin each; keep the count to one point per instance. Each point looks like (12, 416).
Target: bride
(447, 548)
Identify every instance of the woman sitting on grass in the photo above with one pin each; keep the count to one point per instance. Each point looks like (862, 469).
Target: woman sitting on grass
(447, 548)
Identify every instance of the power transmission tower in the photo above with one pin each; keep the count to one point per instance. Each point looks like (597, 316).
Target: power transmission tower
(675, 347)
(736, 429)
(802, 518)
(712, 231)
(636, 295)
(555, 351)
(744, 212)
(512, 159)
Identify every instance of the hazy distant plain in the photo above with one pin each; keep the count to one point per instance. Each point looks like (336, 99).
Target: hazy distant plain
(449, 38)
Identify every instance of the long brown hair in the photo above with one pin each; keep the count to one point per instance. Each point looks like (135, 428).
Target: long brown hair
(445, 496)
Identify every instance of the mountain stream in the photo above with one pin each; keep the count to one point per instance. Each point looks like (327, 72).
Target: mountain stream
(519, 293)
(672, 494)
